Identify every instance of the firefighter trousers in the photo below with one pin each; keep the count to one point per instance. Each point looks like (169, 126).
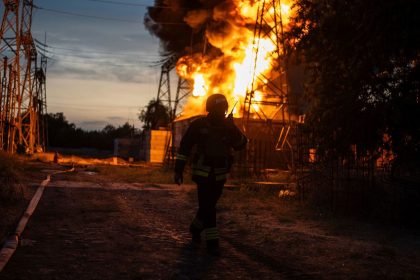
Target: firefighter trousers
(209, 191)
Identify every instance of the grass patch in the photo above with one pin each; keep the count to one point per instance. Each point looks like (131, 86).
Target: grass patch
(12, 194)
(139, 174)
(135, 174)
(11, 188)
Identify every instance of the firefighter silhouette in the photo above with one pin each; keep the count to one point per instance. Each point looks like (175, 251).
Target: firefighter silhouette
(215, 138)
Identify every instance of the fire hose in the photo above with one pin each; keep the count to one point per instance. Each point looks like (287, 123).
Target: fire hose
(12, 242)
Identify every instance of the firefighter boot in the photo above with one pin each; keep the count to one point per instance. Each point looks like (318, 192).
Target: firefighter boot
(213, 247)
(196, 228)
(212, 241)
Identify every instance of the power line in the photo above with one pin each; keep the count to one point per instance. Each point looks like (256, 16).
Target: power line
(120, 3)
(101, 17)
(101, 57)
(58, 59)
(46, 47)
(87, 106)
(130, 4)
(84, 15)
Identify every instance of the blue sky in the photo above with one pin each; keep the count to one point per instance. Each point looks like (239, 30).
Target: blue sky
(101, 71)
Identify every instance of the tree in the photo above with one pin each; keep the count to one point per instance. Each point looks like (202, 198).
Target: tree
(63, 134)
(364, 60)
(60, 131)
(155, 115)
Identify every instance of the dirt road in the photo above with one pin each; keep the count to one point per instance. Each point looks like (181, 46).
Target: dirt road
(98, 229)
(93, 233)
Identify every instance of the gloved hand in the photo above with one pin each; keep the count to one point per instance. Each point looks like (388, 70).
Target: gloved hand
(179, 178)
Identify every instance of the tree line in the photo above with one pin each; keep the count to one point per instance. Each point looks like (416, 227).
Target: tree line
(64, 134)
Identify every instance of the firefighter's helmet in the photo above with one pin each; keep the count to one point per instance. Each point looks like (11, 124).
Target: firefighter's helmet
(216, 102)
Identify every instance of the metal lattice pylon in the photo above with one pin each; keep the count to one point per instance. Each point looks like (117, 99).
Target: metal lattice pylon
(41, 106)
(10, 93)
(267, 98)
(27, 117)
(164, 90)
(183, 90)
(20, 114)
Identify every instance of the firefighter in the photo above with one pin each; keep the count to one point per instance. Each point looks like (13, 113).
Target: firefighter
(215, 138)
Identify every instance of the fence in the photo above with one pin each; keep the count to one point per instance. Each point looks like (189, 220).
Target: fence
(355, 183)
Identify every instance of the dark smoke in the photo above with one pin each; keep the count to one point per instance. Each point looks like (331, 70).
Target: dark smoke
(167, 20)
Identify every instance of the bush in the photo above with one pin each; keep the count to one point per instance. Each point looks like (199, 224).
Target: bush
(10, 186)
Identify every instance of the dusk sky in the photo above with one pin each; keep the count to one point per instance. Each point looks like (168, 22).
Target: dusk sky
(101, 71)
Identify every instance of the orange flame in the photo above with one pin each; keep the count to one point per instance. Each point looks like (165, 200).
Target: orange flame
(235, 72)
(199, 85)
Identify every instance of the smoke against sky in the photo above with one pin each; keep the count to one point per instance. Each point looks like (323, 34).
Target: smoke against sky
(179, 24)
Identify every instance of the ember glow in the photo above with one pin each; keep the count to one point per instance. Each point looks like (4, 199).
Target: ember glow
(243, 59)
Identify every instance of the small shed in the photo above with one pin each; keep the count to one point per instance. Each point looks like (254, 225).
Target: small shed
(155, 144)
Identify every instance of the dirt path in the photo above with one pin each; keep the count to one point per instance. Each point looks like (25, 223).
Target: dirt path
(84, 233)
(91, 227)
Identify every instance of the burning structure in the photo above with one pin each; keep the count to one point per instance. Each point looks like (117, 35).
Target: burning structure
(236, 48)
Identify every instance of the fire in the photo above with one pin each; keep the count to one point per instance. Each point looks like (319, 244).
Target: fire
(285, 10)
(245, 71)
(257, 97)
(234, 72)
(199, 85)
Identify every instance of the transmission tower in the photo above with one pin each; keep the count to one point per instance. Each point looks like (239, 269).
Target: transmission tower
(26, 107)
(20, 114)
(41, 106)
(183, 88)
(10, 51)
(164, 90)
(171, 102)
(267, 98)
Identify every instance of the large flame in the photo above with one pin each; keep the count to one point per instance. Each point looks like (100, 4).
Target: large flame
(200, 88)
(243, 60)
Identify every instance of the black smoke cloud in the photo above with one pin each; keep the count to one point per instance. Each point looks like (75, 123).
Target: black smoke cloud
(180, 24)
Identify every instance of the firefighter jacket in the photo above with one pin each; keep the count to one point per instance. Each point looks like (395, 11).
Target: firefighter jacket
(214, 143)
